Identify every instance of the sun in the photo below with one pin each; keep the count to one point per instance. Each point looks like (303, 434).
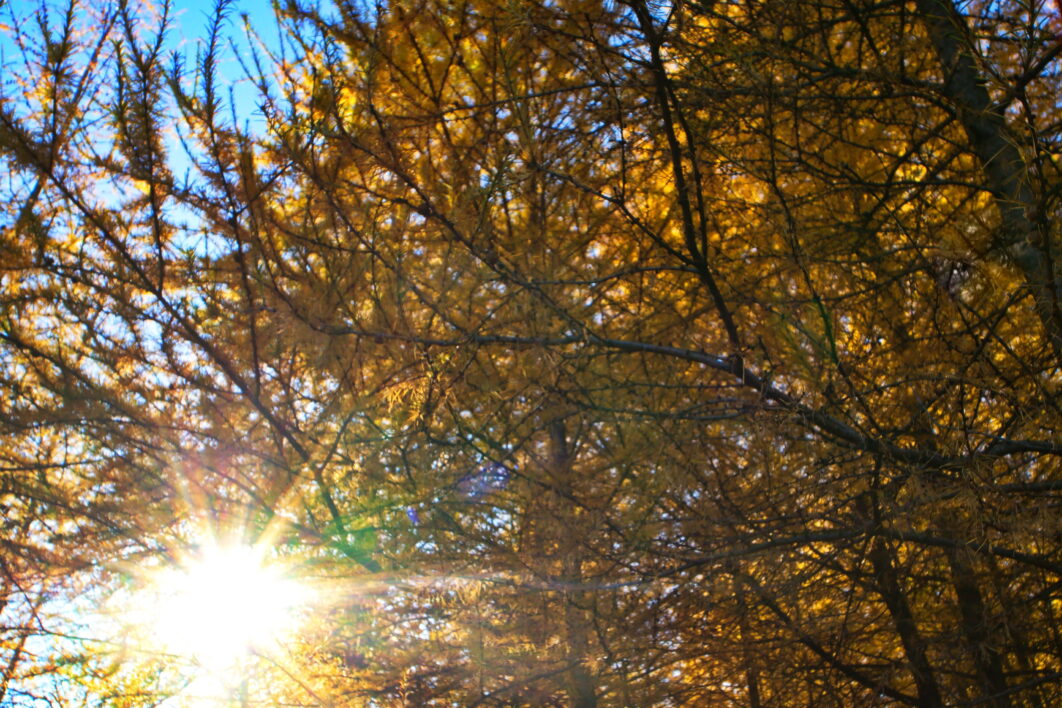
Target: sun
(222, 604)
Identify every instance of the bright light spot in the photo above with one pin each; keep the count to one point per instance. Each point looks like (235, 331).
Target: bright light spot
(222, 605)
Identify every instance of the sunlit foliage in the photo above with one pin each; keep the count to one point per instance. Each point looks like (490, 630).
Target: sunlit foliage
(563, 353)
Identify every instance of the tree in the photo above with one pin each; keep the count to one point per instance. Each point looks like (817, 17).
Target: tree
(598, 354)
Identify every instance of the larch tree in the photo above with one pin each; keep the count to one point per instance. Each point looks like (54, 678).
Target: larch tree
(573, 353)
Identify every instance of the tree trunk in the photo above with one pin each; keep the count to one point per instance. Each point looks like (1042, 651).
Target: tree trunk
(903, 619)
(581, 692)
(986, 658)
(1026, 242)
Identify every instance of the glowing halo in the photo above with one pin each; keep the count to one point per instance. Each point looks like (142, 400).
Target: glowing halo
(220, 604)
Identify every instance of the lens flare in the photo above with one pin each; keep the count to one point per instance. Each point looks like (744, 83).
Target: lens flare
(223, 604)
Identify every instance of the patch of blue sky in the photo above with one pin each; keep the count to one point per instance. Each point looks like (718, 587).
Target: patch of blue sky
(23, 53)
(248, 27)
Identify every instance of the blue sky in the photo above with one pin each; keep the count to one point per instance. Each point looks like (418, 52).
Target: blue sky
(190, 22)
